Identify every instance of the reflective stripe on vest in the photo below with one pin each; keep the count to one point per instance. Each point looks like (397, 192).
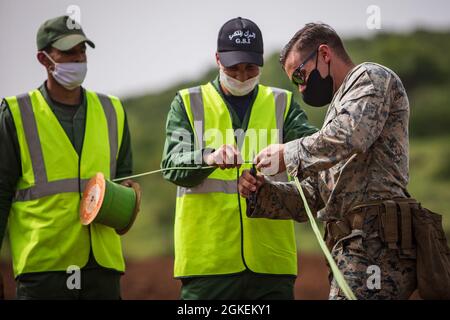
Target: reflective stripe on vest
(42, 186)
(214, 185)
(210, 186)
(210, 235)
(196, 102)
(44, 227)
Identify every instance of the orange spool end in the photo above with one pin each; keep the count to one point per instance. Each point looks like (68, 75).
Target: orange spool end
(93, 196)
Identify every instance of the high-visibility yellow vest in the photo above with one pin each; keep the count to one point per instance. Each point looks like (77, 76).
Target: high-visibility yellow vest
(44, 225)
(212, 235)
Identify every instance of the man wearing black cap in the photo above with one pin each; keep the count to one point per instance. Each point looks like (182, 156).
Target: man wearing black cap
(219, 253)
(52, 140)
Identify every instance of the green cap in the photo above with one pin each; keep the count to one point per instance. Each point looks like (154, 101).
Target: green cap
(62, 33)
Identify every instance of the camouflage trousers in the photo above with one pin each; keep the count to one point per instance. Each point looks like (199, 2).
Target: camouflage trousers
(371, 269)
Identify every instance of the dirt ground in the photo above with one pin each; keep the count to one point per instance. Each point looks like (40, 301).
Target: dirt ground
(152, 279)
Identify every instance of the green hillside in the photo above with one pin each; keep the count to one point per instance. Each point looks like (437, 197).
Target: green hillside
(419, 58)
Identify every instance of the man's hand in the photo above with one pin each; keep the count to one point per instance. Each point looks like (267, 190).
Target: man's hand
(128, 183)
(249, 183)
(137, 188)
(226, 157)
(270, 161)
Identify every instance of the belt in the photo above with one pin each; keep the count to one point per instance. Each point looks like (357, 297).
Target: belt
(394, 216)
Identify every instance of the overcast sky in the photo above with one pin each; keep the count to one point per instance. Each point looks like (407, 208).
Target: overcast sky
(144, 45)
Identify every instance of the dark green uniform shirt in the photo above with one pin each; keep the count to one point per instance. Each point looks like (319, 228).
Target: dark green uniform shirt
(295, 126)
(73, 120)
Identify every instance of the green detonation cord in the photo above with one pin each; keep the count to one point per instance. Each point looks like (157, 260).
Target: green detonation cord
(167, 169)
(336, 272)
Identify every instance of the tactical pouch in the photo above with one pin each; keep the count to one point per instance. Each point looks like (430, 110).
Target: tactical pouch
(414, 231)
(433, 255)
(396, 225)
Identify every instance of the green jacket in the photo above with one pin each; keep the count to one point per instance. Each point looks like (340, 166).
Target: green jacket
(72, 119)
(295, 126)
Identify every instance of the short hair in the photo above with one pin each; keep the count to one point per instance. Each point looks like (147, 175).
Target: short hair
(310, 37)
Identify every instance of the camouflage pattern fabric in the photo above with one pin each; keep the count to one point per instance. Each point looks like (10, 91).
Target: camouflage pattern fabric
(359, 155)
(371, 269)
(361, 152)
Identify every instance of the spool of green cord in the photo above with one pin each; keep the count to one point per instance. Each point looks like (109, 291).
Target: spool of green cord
(109, 203)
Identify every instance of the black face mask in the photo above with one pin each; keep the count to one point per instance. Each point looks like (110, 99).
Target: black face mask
(318, 91)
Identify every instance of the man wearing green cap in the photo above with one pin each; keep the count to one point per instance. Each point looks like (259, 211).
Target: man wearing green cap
(52, 140)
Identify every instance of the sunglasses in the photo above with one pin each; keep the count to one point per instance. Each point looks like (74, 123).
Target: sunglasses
(299, 74)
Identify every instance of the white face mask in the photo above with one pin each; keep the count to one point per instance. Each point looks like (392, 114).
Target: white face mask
(69, 74)
(236, 87)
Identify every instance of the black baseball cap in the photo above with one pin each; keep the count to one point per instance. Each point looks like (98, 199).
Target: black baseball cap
(240, 41)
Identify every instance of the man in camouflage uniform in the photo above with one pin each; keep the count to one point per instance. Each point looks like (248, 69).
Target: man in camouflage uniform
(355, 162)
